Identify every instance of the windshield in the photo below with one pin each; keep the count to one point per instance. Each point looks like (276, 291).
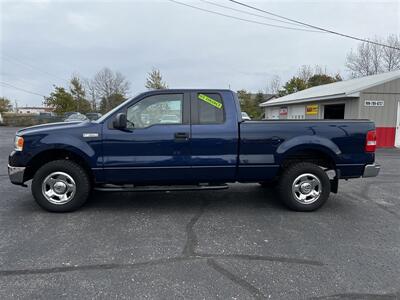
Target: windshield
(106, 115)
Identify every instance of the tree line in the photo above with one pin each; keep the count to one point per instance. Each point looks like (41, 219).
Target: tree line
(367, 59)
(101, 93)
(107, 88)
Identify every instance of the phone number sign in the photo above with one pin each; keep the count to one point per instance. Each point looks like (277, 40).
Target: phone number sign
(374, 103)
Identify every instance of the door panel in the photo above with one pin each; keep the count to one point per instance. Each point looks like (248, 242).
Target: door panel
(150, 152)
(214, 137)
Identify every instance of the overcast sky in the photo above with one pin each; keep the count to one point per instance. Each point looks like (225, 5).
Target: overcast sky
(191, 48)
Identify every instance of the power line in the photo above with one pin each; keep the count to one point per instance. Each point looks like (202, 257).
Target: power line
(15, 60)
(315, 27)
(251, 14)
(5, 84)
(242, 19)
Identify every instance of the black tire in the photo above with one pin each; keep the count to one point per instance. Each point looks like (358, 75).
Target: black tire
(76, 172)
(289, 176)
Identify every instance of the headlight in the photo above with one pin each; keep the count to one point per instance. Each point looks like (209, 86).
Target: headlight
(19, 143)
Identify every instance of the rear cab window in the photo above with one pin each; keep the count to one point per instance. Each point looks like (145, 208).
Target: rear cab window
(208, 108)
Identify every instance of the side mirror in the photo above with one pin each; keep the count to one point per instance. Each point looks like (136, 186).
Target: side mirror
(120, 121)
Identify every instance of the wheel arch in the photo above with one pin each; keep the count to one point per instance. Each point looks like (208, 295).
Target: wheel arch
(309, 148)
(317, 154)
(45, 156)
(311, 154)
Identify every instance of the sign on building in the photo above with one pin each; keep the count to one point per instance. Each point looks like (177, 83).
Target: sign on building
(374, 103)
(312, 109)
(283, 111)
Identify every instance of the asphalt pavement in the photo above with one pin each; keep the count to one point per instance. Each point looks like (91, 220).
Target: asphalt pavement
(239, 243)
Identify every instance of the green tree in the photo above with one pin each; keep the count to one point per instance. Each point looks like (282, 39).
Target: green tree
(259, 98)
(319, 79)
(302, 82)
(61, 100)
(257, 112)
(78, 93)
(154, 81)
(250, 103)
(294, 85)
(307, 77)
(111, 101)
(5, 104)
(244, 99)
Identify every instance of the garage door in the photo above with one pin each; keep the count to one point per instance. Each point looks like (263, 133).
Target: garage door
(296, 112)
(273, 113)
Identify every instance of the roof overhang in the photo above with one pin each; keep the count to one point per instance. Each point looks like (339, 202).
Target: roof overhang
(312, 99)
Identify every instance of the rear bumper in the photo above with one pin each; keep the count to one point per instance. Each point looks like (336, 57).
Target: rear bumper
(371, 170)
(16, 174)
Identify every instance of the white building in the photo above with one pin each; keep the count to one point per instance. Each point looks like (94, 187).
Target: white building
(34, 110)
(375, 97)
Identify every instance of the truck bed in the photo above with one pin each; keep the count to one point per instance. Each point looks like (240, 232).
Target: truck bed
(264, 145)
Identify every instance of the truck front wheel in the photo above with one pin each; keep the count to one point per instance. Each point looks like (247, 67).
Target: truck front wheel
(61, 186)
(304, 186)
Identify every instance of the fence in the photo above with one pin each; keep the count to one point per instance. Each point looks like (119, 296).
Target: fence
(23, 120)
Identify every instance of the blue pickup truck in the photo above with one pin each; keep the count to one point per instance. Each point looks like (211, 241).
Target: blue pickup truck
(190, 140)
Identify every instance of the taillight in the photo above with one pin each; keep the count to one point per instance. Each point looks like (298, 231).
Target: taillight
(370, 141)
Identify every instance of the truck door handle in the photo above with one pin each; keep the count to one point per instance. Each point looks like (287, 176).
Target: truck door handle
(181, 136)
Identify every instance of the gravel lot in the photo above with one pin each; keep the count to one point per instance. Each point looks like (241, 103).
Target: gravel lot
(239, 243)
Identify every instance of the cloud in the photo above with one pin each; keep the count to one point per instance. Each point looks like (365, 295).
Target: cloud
(192, 48)
(82, 22)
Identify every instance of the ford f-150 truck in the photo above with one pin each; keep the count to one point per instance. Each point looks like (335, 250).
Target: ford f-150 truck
(190, 140)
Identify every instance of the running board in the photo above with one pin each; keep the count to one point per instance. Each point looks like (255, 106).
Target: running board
(168, 188)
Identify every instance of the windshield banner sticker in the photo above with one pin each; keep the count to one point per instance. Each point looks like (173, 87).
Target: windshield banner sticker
(210, 101)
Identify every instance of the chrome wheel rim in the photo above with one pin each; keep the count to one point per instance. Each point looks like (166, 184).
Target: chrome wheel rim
(306, 188)
(58, 188)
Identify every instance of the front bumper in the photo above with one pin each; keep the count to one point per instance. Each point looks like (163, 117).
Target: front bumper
(16, 174)
(371, 170)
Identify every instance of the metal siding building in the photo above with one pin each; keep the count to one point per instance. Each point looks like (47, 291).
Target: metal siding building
(375, 97)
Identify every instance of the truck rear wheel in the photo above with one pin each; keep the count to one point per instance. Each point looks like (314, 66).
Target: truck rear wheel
(304, 186)
(61, 186)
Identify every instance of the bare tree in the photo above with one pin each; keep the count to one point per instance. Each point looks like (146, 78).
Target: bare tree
(305, 72)
(320, 70)
(360, 62)
(391, 57)
(104, 87)
(91, 93)
(371, 59)
(274, 85)
(376, 56)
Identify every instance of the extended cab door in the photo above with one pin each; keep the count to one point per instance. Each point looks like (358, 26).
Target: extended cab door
(155, 147)
(214, 138)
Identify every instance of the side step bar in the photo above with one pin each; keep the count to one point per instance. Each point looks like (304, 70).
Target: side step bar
(132, 188)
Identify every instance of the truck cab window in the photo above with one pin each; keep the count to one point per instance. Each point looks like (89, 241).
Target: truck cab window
(210, 108)
(157, 109)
